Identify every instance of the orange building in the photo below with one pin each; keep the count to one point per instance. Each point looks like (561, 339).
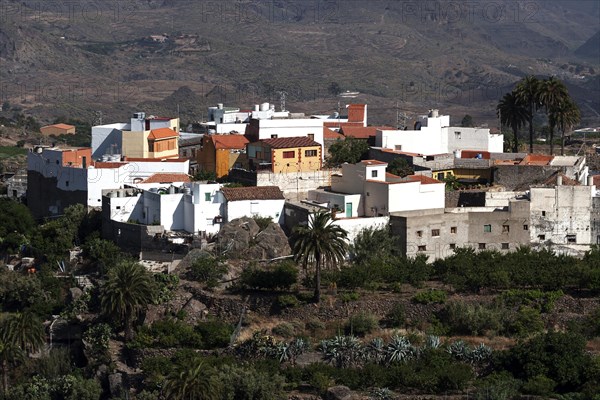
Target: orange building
(57, 129)
(220, 153)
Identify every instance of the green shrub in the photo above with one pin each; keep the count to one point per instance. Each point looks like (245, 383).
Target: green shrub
(470, 319)
(287, 301)
(262, 222)
(347, 297)
(497, 386)
(281, 276)
(284, 329)
(396, 317)
(543, 301)
(215, 334)
(539, 385)
(208, 270)
(361, 324)
(431, 296)
(169, 332)
(526, 322)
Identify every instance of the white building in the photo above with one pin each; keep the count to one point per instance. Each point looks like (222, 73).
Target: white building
(264, 201)
(434, 135)
(366, 190)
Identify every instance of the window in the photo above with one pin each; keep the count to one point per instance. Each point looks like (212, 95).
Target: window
(422, 248)
(398, 147)
(67, 183)
(457, 135)
(374, 173)
(118, 207)
(543, 213)
(541, 237)
(525, 227)
(452, 229)
(452, 246)
(435, 232)
(440, 176)
(419, 233)
(207, 196)
(505, 246)
(487, 228)
(310, 153)
(273, 136)
(258, 154)
(571, 238)
(289, 154)
(505, 228)
(481, 246)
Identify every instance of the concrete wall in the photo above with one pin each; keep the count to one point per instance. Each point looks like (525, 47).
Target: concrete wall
(260, 208)
(104, 136)
(295, 185)
(473, 139)
(356, 225)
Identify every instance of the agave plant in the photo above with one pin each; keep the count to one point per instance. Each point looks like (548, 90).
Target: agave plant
(480, 354)
(381, 394)
(460, 350)
(375, 351)
(399, 350)
(342, 351)
(432, 342)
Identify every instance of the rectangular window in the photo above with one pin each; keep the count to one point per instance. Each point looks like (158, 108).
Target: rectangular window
(258, 154)
(310, 153)
(452, 246)
(419, 233)
(452, 229)
(525, 227)
(541, 237)
(543, 213)
(273, 136)
(456, 135)
(289, 154)
(571, 238)
(207, 196)
(440, 176)
(505, 246)
(67, 183)
(398, 147)
(481, 246)
(422, 248)
(505, 228)
(487, 228)
(435, 232)
(374, 174)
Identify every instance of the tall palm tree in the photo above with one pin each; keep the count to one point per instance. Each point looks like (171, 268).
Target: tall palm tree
(513, 113)
(552, 93)
(527, 91)
(321, 244)
(189, 382)
(567, 115)
(128, 290)
(9, 354)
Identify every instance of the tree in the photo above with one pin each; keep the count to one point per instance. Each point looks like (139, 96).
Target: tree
(321, 244)
(193, 380)
(552, 93)
(527, 91)
(467, 121)
(350, 150)
(400, 167)
(513, 113)
(128, 290)
(567, 114)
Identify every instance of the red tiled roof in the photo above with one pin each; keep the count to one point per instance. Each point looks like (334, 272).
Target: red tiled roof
(362, 132)
(100, 164)
(162, 133)
(356, 112)
(335, 124)
(596, 180)
(373, 162)
(253, 193)
(60, 126)
(291, 142)
(331, 134)
(566, 181)
(229, 141)
(401, 152)
(425, 180)
(167, 178)
(536, 159)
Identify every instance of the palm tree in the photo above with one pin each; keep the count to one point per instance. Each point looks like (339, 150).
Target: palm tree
(552, 93)
(9, 354)
(527, 91)
(321, 244)
(567, 115)
(189, 382)
(128, 290)
(513, 113)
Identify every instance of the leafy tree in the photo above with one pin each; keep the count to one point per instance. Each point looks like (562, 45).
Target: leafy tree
(350, 150)
(128, 290)
(104, 252)
(361, 250)
(248, 383)
(193, 380)
(512, 112)
(552, 93)
(527, 91)
(467, 121)
(208, 270)
(15, 217)
(204, 175)
(319, 245)
(400, 167)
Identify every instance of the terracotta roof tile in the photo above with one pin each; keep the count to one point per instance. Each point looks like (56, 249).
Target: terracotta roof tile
(287, 143)
(100, 164)
(336, 124)
(596, 180)
(229, 141)
(566, 181)
(167, 178)
(162, 133)
(485, 155)
(362, 132)
(253, 193)
(60, 126)
(356, 112)
(331, 134)
(536, 159)
(373, 162)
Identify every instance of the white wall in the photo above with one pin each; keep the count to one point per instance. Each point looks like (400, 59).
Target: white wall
(104, 136)
(354, 226)
(331, 199)
(260, 208)
(473, 139)
(172, 211)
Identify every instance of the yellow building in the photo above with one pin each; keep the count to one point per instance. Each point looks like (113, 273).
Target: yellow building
(221, 153)
(152, 137)
(294, 154)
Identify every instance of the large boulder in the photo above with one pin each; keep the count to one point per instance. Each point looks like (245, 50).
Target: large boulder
(242, 238)
(270, 243)
(235, 236)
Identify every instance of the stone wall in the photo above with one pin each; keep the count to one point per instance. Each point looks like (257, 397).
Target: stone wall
(521, 177)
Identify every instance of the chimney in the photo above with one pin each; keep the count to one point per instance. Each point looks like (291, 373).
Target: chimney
(590, 180)
(559, 180)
